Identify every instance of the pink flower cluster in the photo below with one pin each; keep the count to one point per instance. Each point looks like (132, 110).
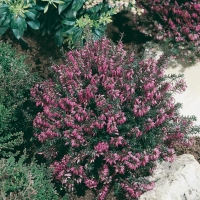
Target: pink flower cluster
(115, 116)
(135, 190)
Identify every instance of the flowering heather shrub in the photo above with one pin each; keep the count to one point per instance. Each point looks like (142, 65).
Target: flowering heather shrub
(107, 117)
(176, 22)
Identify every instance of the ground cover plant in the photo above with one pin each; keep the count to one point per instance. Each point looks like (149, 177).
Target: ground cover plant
(20, 175)
(21, 181)
(107, 118)
(16, 108)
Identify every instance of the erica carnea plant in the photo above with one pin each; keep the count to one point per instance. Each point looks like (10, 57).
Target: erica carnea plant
(107, 117)
(175, 22)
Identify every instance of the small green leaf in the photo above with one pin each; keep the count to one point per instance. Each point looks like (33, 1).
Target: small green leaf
(59, 38)
(2, 19)
(72, 30)
(54, 5)
(27, 6)
(77, 35)
(62, 7)
(3, 5)
(69, 22)
(32, 14)
(66, 28)
(99, 32)
(38, 7)
(34, 24)
(18, 23)
(6, 22)
(69, 14)
(3, 9)
(77, 4)
(3, 30)
(18, 33)
(46, 8)
(58, 2)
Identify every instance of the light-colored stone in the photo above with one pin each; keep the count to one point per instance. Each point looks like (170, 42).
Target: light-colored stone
(190, 99)
(154, 52)
(179, 180)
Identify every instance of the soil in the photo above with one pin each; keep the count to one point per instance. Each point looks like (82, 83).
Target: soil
(42, 53)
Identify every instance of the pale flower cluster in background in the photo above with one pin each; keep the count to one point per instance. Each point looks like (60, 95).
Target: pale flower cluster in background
(119, 5)
(92, 3)
(194, 135)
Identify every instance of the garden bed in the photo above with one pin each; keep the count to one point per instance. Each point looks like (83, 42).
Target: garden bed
(41, 54)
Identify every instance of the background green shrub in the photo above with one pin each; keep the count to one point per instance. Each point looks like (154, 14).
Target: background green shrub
(17, 14)
(8, 140)
(21, 181)
(16, 108)
(65, 19)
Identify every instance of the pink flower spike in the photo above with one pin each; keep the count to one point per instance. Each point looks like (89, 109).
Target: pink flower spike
(102, 147)
(91, 183)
